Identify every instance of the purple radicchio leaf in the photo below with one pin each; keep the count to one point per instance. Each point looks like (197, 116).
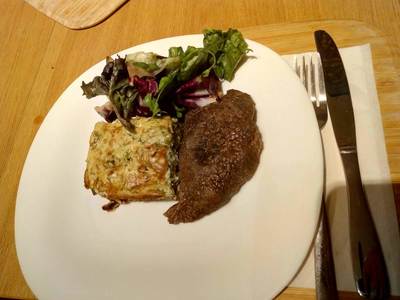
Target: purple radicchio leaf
(144, 85)
(106, 111)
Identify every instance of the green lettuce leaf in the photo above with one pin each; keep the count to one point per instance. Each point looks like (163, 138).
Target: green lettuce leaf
(213, 40)
(98, 86)
(151, 103)
(175, 51)
(179, 111)
(228, 47)
(193, 60)
(167, 82)
(151, 67)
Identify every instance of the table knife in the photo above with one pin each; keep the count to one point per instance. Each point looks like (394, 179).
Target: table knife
(369, 269)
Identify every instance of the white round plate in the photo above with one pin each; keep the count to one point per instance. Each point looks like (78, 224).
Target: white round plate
(69, 248)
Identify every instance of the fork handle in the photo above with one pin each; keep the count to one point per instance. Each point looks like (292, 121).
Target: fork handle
(369, 267)
(325, 279)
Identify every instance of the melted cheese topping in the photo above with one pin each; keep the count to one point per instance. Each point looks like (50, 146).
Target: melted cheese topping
(125, 166)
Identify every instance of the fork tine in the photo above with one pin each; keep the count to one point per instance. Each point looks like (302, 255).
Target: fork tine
(321, 82)
(305, 74)
(298, 63)
(313, 90)
(309, 69)
(297, 66)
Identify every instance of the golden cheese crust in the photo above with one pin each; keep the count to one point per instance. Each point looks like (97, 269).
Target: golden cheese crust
(124, 166)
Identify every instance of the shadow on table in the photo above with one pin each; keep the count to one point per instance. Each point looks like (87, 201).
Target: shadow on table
(384, 200)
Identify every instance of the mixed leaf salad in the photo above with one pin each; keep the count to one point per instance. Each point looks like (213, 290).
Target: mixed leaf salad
(148, 84)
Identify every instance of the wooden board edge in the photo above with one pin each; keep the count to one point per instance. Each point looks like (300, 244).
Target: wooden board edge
(75, 23)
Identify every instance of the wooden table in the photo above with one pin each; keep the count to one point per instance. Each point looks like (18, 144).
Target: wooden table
(39, 59)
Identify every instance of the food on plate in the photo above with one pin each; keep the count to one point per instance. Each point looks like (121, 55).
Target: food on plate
(123, 166)
(148, 84)
(220, 151)
(151, 99)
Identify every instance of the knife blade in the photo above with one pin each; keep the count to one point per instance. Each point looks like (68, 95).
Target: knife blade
(369, 269)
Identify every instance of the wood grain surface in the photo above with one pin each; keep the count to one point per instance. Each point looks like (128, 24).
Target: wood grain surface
(39, 58)
(77, 14)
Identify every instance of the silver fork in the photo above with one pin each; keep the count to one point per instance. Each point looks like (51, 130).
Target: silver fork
(309, 69)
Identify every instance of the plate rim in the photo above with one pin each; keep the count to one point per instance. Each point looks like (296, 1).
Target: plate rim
(71, 85)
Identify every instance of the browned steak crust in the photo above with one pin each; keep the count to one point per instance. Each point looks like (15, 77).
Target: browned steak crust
(220, 151)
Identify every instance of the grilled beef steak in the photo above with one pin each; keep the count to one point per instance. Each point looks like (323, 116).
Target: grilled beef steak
(220, 151)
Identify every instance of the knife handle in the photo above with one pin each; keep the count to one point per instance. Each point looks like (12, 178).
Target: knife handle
(325, 279)
(369, 267)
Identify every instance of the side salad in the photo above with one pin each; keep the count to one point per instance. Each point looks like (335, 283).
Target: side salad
(147, 84)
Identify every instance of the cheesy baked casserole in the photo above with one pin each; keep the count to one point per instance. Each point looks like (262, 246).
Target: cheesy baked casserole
(123, 166)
